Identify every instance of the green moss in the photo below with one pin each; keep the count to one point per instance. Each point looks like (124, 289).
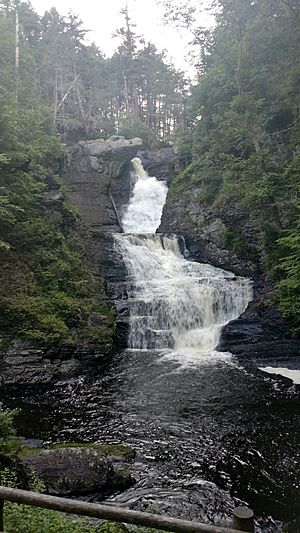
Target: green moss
(47, 289)
(28, 451)
(108, 450)
(11, 446)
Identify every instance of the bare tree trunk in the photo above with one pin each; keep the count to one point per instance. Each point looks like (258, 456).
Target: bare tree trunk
(63, 104)
(81, 109)
(17, 55)
(126, 95)
(55, 99)
(67, 92)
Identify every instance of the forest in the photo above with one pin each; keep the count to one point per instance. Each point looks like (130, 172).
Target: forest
(235, 129)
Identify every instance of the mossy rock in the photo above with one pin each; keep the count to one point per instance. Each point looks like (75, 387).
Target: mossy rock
(113, 452)
(81, 469)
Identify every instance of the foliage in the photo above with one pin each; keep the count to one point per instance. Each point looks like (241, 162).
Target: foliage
(89, 95)
(20, 518)
(6, 423)
(132, 127)
(289, 286)
(46, 290)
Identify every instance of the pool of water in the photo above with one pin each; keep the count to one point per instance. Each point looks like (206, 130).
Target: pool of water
(207, 433)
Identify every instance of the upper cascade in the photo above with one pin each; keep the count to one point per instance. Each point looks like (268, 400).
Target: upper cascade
(144, 211)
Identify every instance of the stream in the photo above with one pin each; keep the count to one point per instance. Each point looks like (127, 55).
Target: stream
(210, 429)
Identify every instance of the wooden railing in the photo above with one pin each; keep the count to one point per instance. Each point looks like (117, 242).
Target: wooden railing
(243, 519)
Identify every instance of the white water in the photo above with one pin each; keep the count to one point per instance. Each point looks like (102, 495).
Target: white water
(144, 211)
(174, 303)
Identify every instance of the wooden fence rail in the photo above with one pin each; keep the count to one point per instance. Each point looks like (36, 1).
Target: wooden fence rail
(115, 514)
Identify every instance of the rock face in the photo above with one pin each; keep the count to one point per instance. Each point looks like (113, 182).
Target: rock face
(99, 186)
(97, 174)
(22, 364)
(259, 333)
(209, 235)
(68, 471)
(160, 163)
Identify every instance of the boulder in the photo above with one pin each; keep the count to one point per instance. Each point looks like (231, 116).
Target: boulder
(161, 163)
(66, 471)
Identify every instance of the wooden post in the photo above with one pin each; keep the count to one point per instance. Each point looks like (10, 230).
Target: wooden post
(243, 519)
(1, 515)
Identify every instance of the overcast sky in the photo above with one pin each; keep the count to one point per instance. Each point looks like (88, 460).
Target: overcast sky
(102, 17)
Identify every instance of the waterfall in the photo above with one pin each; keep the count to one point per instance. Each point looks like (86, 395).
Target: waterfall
(174, 303)
(144, 211)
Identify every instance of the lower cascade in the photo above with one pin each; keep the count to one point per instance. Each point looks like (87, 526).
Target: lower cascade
(175, 304)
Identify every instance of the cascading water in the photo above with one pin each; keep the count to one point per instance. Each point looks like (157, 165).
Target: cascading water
(144, 211)
(174, 304)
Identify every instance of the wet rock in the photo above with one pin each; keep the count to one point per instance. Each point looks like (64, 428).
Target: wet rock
(68, 471)
(22, 365)
(159, 163)
(260, 332)
(32, 443)
(67, 369)
(26, 368)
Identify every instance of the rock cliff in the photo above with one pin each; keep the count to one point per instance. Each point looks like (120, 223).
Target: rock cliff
(98, 186)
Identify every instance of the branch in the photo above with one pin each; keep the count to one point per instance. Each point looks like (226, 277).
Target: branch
(286, 3)
(66, 94)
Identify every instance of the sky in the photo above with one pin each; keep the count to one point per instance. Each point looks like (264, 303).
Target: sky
(102, 17)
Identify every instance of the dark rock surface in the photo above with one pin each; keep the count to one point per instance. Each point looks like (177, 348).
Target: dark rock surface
(259, 333)
(159, 163)
(68, 471)
(23, 364)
